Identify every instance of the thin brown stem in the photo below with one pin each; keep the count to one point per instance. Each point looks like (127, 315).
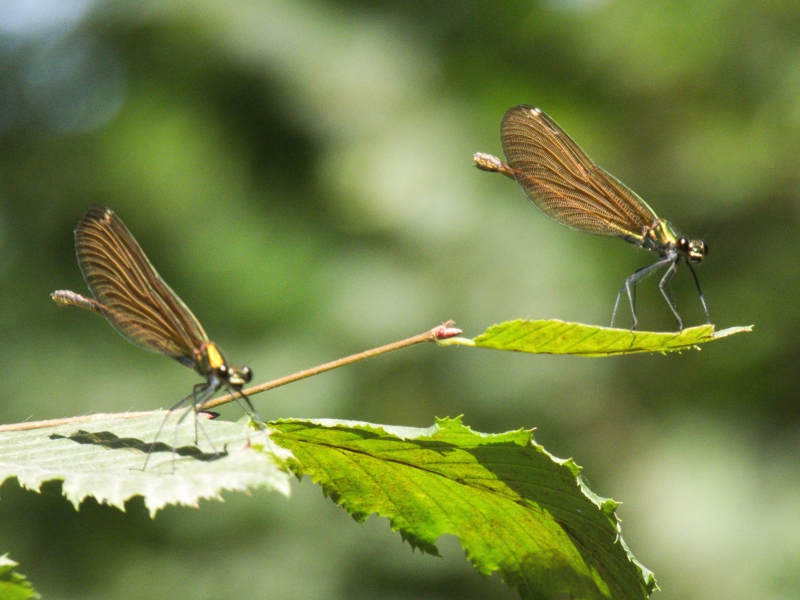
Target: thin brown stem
(28, 425)
(442, 332)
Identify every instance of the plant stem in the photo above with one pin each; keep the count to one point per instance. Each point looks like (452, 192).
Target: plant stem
(442, 332)
(28, 425)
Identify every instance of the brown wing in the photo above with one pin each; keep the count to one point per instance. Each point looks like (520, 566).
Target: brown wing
(134, 298)
(564, 183)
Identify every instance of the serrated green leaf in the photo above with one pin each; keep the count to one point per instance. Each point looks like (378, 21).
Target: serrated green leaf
(558, 337)
(14, 586)
(103, 458)
(515, 508)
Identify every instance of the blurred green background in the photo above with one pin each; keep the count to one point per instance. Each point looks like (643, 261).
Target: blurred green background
(301, 174)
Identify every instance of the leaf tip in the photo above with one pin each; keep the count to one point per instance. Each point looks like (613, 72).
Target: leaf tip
(444, 422)
(574, 467)
(418, 543)
(609, 506)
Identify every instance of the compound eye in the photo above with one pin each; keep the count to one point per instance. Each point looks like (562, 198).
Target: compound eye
(683, 245)
(246, 374)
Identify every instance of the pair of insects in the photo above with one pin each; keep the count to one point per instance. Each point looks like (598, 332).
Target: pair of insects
(550, 168)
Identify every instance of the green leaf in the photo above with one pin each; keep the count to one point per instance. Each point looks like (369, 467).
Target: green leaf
(559, 337)
(14, 586)
(103, 457)
(515, 508)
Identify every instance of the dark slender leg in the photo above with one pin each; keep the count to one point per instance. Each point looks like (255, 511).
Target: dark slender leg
(632, 300)
(630, 286)
(199, 388)
(200, 394)
(248, 407)
(211, 388)
(699, 291)
(616, 305)
(197, 424)
(663, 285)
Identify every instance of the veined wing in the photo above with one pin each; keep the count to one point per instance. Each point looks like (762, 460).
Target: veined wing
(135, 299)
(564, 183)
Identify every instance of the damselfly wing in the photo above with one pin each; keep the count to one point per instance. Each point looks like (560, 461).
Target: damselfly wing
(569, 188)
(133, 297)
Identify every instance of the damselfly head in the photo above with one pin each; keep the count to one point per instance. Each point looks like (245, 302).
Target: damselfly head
(238, 376)
(693, 250)
(209, 362)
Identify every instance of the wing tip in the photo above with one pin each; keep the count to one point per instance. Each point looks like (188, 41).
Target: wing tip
(525, 110)
(96, 213)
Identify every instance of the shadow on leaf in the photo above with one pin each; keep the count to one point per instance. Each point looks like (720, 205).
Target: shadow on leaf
(114, 442)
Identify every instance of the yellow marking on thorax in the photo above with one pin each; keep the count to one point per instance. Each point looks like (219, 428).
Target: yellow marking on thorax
(215, 360)
(660, 233)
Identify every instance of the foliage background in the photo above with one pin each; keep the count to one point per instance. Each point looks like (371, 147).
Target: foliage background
(300, 173)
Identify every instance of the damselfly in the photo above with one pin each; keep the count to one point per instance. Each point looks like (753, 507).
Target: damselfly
(569, 188)
(130, 293)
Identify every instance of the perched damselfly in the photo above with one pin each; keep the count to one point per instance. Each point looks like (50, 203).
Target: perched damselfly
(131, 295)
(569, 188)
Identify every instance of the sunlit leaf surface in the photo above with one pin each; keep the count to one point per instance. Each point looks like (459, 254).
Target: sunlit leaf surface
(104, 459)
(558, 337)
(14, 586)
(515, 508)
